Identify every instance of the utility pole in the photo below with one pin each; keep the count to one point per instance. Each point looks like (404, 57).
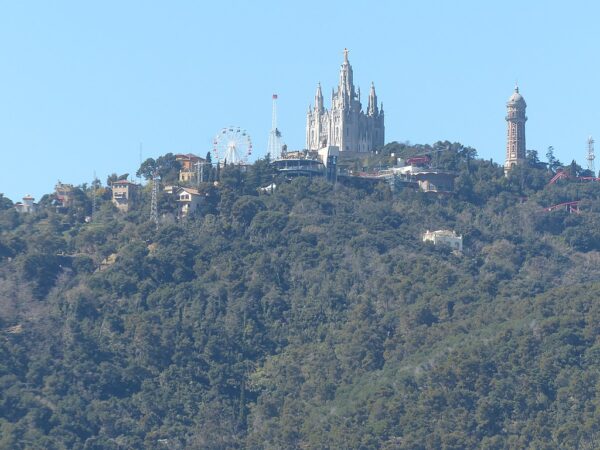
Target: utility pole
(139, 177)
(200, 173)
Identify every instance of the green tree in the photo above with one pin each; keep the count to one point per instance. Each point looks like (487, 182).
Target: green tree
(553, 162)
(166, 167)
(5, 203)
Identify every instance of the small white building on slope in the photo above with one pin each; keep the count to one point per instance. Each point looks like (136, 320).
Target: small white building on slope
(444, 237)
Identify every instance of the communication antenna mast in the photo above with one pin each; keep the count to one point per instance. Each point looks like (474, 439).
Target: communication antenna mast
(139, 177)
(275, 145)
(93, 198)
(200, 172)
(591, 156)
(154, 201)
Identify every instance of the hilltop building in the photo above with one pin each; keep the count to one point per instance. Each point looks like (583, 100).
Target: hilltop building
(345, 125)
(188, 201)
(445, 238)
(28, 205)
(124, 194)
(515, 133)
(321, 163)
(417, 169)
(299, 164)
(189, 162)
(64, 195)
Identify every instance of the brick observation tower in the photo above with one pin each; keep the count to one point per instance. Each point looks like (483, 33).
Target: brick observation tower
(515, 132)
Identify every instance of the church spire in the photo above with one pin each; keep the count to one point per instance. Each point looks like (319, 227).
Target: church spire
(346, 87)
(372, 105)
(319, 99)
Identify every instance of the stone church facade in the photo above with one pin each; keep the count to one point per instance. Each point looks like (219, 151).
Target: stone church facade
(345, 125)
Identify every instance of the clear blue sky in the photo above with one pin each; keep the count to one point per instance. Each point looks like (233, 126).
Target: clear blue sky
(83, 83)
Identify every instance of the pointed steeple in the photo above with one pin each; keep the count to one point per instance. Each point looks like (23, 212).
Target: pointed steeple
(346, 87)
(319, 99)
(372, 105)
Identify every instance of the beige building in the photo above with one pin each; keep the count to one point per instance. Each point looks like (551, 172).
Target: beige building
(435, 181)
(188, 201)
(428, 180)
(189, 166)
(515, 132)
(124, 194)
(444, 237)
(64, 194)
(28, 205)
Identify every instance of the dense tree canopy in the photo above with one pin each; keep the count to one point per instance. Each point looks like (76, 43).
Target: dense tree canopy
(166, 167)
(310, 317)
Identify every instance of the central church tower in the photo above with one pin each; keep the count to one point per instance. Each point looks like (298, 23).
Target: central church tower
(346, 125)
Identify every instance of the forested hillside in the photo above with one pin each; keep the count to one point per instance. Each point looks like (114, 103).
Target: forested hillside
(311, 317)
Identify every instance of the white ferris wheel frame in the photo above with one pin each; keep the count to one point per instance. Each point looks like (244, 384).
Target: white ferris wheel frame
(232, 145)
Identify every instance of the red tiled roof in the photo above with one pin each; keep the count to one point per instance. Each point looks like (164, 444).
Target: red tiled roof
(188, 156)
(122, 182)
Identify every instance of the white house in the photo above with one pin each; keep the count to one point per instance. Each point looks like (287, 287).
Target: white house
(444, 237)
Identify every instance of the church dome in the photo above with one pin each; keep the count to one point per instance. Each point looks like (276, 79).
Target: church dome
(516, 97)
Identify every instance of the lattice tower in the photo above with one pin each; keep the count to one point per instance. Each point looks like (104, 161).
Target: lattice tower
(94, 185)
(591, 156)
(154, 200)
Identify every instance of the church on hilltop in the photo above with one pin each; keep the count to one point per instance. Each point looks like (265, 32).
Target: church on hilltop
(345, 126)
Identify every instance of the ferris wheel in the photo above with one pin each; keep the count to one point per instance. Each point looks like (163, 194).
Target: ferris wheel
(232, 145)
